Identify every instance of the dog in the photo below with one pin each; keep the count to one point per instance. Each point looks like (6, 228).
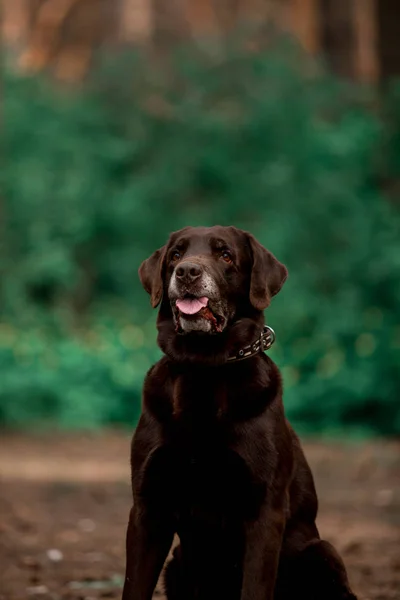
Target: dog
(213, 458)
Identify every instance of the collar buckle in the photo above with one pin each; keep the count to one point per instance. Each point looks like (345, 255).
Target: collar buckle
(267, 338)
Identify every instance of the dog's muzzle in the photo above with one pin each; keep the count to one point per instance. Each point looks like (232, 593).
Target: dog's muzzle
(195, 301)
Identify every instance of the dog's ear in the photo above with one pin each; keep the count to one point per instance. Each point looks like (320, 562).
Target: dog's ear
(267, 275)
(151, 274)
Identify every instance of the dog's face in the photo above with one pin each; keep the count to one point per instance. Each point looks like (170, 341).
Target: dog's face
(210, 277)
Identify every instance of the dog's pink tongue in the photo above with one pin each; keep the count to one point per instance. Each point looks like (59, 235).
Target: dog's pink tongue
(191, 306)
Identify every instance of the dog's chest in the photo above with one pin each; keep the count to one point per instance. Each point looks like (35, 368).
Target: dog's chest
(208, 484)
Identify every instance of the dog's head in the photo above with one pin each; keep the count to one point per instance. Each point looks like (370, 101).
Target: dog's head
(206, 279)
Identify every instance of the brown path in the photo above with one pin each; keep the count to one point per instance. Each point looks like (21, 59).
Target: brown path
(64, 502)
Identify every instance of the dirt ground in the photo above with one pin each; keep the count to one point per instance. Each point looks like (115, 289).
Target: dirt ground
(64, 503)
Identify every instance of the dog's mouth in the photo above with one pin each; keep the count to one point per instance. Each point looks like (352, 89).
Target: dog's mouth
(197, 313)
(191, 305)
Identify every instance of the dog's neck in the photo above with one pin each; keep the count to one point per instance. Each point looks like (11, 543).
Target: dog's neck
(243, 338)
(206, 386)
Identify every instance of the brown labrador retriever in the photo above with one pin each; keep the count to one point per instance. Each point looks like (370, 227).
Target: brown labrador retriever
(213, 458)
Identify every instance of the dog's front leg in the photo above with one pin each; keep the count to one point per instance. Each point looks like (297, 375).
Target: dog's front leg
(263, 539)
(148, 540)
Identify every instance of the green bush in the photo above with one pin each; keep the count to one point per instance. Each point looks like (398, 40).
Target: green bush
(96, 179)
(91, 380)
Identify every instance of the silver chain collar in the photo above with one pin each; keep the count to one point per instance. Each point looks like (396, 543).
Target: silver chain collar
(262, 344)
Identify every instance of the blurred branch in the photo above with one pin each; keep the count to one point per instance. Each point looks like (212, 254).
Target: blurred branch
(16, 21)
(135, 21)
(338, 35)
(65, 34)
(46, 33)
(305, 23)
(170, 24)
(366, 40)
(226, 14)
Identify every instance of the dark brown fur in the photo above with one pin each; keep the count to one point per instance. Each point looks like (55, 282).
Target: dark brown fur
(213, 457)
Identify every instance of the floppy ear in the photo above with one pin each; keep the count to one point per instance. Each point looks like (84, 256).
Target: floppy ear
(267, 275)
(152, 277)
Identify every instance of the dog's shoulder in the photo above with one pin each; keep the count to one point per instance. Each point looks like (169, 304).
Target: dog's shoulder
(159, 373)
(157, 390)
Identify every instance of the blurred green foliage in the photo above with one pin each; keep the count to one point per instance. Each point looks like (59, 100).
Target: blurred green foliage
(96, 179)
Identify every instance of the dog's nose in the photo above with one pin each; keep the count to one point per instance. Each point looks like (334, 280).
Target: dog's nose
(188, 272)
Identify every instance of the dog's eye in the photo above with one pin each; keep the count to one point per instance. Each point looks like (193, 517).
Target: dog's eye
(226, 256)
(176, 255)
